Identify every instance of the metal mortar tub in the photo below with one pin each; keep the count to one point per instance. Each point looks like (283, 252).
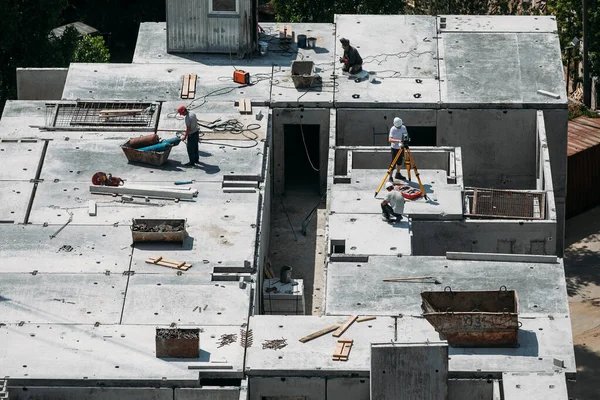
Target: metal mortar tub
(177, 343)
(303, 74)
(474, 318)
(158, 230)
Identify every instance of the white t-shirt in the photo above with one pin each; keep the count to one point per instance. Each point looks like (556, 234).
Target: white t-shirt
(396, 201)
(396, 133)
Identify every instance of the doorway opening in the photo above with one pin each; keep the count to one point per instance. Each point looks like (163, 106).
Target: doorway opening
(301, 157)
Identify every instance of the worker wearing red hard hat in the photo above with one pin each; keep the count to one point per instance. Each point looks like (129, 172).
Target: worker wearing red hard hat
(191, 136)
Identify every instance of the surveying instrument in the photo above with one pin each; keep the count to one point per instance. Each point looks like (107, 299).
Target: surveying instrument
(409, 163)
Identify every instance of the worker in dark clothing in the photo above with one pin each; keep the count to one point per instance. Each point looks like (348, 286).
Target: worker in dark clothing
(192, 135)
(351, 59)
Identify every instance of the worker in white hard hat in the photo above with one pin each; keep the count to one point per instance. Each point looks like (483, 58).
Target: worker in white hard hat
(397, 132)
(393, 204)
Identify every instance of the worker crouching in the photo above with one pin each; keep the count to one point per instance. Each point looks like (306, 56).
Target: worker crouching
(351, 59)
(392, 205)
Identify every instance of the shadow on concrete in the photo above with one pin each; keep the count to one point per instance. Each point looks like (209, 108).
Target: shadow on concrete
(288, 245)
(188, 244)
(588, 371)
(582, 256)
(208, 168)
(170, 165)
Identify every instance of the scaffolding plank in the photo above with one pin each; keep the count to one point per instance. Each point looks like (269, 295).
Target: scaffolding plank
(185, 86)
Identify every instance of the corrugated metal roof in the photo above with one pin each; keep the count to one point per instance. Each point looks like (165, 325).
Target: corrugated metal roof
(82, 28)
(584, 132)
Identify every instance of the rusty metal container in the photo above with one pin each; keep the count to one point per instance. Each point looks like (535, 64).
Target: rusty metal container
(302, 74)
(146, 157)
(177, 343)
(474, 318)
(143, 141)
(158, 230)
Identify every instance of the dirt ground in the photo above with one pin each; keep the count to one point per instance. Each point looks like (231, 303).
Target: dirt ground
(582, 268)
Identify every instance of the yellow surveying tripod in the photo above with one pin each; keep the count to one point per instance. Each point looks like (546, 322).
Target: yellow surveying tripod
(409, 163)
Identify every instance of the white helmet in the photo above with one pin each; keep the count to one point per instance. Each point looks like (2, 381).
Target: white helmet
(389, 185)
(397, 122)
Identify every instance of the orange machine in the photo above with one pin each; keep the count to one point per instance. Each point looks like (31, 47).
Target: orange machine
(242, 77)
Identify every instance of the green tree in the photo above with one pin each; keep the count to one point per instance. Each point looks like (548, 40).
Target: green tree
(91, 49)
(25, 40)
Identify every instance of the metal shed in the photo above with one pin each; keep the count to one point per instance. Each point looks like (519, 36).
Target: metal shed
(583, 165)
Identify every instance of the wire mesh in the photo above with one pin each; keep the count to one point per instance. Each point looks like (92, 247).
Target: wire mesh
(101, 114)
(493, 203)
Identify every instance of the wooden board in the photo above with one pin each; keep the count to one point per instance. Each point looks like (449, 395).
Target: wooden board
(188, 87)
(342, 350)
(181, 265)
(320, 333)
(346, 325)
(363, 319)
(245, 106)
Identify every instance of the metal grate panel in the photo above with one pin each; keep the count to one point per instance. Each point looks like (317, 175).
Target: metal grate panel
(101, 115)
(493, 203)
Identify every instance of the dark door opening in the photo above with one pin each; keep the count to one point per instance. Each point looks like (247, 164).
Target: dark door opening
(422, 135)
(301, 157)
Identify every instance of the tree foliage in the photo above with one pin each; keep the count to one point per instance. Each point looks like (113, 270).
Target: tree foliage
(91, 49)
(25, 40)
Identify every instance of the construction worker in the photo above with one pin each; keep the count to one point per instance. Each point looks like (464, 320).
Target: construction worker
(397, 133)
(393, 204)
(351, 59)
(192, 135)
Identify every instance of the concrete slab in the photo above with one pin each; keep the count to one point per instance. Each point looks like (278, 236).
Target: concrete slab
(497, 23)
(161, 82)
(541, 340)
(358, 288)
(445, 200)
(368, 234)
(19, 115)
(313, 358)
(501, 68)
(107, 353)
(62, 298)
(151, 47)
(398, 61)
(185, 299)
(406, 371)
(76, 249)
(79, 160)
(15, 199)
(23, 157)
(534, 386)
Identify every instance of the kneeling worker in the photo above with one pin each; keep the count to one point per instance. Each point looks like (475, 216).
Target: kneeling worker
(351, 59)
(393, 204)
(192, 135)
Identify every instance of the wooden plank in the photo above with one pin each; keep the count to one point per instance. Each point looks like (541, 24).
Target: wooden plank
(245, 106)
(364, 319)
(320, 333)
(185, 86)
(342, 350)
(192, 86)
(346, 325)
(169, 263)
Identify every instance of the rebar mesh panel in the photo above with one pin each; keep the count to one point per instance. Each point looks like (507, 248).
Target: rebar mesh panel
(507, 204)
(101, 114)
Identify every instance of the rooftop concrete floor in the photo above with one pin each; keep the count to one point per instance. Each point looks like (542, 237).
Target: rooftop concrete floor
(86, 297)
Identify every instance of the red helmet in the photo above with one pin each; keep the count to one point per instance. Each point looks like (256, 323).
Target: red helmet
(181, 109)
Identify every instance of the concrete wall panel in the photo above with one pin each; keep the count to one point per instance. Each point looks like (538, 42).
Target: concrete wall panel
(498, 146)
(41, 83)
(435, 238)
(297, 116)
(356, 126)
(220, 393)
(470, 389)
(89, 393)
(409, 371)
(348, 389)
(287, 388)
